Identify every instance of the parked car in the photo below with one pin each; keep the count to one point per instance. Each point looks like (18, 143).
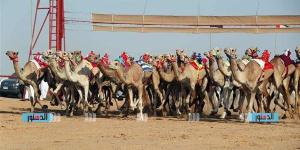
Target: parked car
(11, 87)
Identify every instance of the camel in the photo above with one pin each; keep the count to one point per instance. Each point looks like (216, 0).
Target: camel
(189, 77)
(63, 84)
(80, 75)
(29, 75)
(238, 88)
(218, 80)
(110, 75)
(132, 76)
(154, 77)
(281, 79)
(296, 80)
(248, 77)
(168, 81)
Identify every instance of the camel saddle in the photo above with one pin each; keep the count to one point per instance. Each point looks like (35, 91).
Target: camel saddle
(196, 65)
(145, 66)
(39, 64)
(265, 65)
(286, 61)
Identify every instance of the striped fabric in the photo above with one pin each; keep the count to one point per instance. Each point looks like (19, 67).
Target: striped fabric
(146, 67)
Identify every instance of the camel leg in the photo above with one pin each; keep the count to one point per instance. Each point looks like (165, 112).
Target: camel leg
(213, 100)
(297, 102)
(236, 99)
(140, 101)
(30, 97)
(56, 95)
(163, 100)
(36, 95)
(71, 102)
(286, 95)
(79, 102)
(131, 103)
(224, 97)
(86, 93)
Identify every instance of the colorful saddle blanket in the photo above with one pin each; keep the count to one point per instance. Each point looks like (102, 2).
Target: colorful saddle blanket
(286, 60)
(196, 65)
(146, 67)
(264, 65)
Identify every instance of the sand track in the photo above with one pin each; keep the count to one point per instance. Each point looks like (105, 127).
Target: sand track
(156, 133)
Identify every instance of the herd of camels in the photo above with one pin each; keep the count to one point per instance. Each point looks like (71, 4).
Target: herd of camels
(172, 84)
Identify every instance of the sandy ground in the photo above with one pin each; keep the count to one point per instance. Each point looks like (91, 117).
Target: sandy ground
(127, 133)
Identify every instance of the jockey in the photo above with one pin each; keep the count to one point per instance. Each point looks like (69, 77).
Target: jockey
(146, 58)
(265, 57)
(91, 58)
(197, 61)
(126, 59)
(105, 60)
(288, 62)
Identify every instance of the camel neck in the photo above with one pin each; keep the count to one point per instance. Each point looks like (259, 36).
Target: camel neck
(176, 70)
(211, 66)
(17, 71)
(54, 67)
(237, 75)
(221, 67)
(120, 75)
(68, 71)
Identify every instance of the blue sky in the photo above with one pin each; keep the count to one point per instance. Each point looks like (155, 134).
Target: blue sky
(16, 20)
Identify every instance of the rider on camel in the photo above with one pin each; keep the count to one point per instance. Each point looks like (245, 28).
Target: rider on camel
(288, 62)
(39, 59)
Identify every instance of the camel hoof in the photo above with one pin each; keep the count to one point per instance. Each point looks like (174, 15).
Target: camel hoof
(132, 107)
(228, 113)
(159, 108)
(213, 113)
(223, 115)
(236, 110)
(241, 117)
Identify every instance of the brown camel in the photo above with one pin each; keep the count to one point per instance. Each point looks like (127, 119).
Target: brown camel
(132, 76)
(167, 77)
(113, 79)
(281, 78)
(219, 80)
(63, 84)
(189, 77)
(80, 75)
(249, 77)
(29, 75)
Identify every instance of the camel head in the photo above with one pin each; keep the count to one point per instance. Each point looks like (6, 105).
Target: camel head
(65, 56)
(158, 61)
(48, 55)
(182, 56)
(13, 55)
(207, 54)
(230, 53)
(171, 58)
(76, 55)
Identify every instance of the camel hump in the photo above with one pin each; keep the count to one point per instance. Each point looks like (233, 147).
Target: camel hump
(37, 65)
